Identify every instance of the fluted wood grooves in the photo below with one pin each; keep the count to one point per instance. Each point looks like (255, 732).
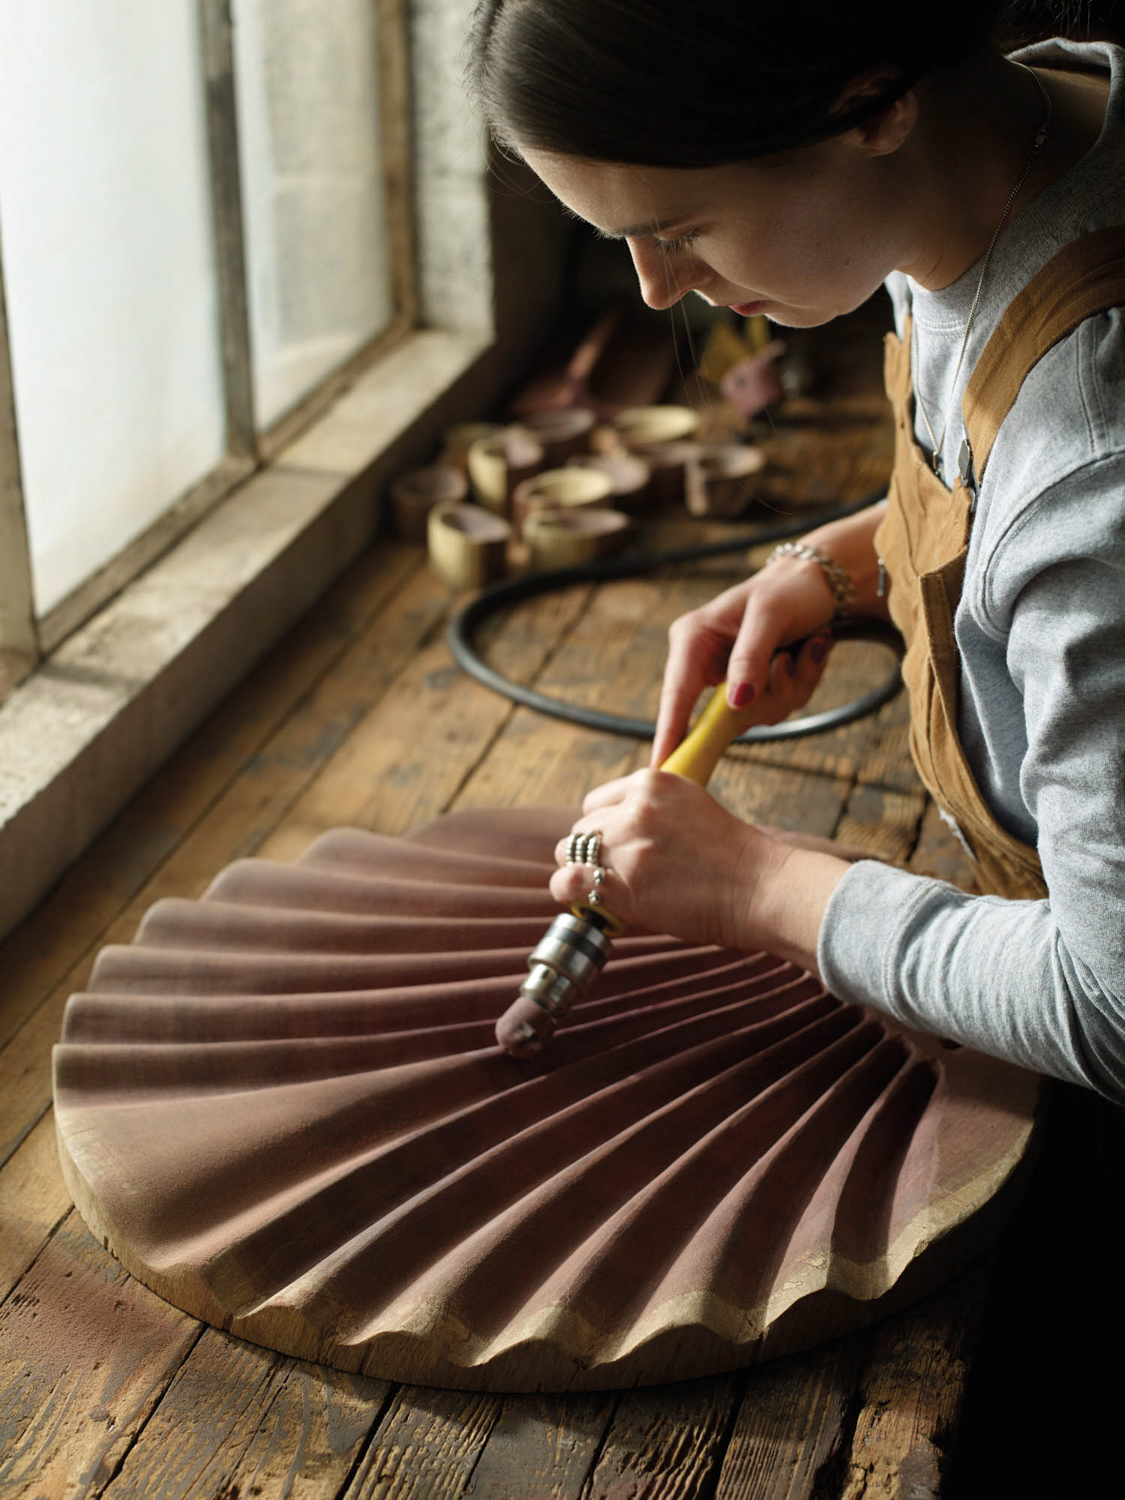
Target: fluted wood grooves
(283, 1110)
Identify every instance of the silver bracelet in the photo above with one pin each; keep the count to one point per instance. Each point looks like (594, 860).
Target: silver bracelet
(839, 582)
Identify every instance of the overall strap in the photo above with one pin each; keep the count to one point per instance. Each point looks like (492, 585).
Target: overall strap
(1084, 278)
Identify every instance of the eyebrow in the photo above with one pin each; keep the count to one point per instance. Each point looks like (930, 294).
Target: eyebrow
(635, 231)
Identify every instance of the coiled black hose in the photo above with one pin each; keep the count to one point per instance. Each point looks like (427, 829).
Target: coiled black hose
(503, 595)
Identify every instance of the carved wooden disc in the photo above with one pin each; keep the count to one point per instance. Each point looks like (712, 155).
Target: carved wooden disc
(283, 1110)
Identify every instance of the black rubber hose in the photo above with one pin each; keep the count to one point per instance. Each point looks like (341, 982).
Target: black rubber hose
(503, 595)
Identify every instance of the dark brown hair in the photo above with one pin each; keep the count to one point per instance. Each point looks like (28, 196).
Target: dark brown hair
(694, 83)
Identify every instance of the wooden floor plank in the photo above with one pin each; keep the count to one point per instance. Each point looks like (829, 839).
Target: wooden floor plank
(426, 1447)
(405, 761)
(913, 1387)
(610, 661)
(793, 1430)
(884, 759)
(408, 758)
(33, 1200)
(239, 1420)
(780, 795)
(518, 642)
(545, 763)
(666, 1443)
(86, 1353)
(542, 1447)
(318, 1423)
(816, 465)
(884, 822)
(25, 1067)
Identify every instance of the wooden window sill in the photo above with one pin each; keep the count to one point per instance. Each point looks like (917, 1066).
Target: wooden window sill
(107, 707)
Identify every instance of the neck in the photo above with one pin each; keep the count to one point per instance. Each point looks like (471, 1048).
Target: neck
(973, 143)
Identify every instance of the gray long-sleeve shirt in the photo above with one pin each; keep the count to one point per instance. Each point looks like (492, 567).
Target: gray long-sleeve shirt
(1041, 632)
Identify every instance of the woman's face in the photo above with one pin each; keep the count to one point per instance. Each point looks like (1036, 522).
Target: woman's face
(802, 238)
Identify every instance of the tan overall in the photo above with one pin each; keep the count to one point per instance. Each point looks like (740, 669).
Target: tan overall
(924, 538)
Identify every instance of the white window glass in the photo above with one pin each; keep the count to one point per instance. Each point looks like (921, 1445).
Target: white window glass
(109, 268)
(306, 81)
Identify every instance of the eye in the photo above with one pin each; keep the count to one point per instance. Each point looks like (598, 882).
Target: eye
(683, 242)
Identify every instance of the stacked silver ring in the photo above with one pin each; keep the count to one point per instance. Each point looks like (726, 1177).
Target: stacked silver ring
(585, 849)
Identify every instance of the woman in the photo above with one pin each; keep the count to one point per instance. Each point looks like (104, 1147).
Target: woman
(786, 160)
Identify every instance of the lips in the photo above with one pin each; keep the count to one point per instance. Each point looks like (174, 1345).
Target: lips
(747, 309)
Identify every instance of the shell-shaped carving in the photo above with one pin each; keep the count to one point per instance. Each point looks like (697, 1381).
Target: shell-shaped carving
(283, 1109)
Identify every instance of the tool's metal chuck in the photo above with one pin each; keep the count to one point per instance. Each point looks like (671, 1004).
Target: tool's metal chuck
(566, 960)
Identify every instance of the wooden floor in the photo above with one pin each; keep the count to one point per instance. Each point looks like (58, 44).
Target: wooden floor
(360, 717)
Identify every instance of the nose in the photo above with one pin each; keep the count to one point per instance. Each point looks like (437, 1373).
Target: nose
(664, 275)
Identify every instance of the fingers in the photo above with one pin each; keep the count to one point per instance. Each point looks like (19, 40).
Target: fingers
(577, 877)
(760, 632)
(787, 606)
(737, 636)
(575, 883)
(613, 811)
(787, 680)
(677, 699)
(674, 861)
(697, 656)
(808, 667)
(794, 674)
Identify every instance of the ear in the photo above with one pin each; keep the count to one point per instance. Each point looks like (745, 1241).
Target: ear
(887, 131)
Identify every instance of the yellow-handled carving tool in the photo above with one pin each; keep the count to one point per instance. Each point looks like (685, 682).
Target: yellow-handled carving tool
(576, 945)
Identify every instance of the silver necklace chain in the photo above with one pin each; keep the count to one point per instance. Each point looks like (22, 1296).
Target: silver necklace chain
(1036, 147)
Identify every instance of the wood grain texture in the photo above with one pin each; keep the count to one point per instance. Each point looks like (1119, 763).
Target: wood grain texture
(238, 1420)
(542, 1448)
(599, 662)
(913, 1386)
(33, 1199)
(664, 1445)
(86, 1353)
(427, 1445)
(883, 822)
(794, 1426)
(389, 775)
(940, 853)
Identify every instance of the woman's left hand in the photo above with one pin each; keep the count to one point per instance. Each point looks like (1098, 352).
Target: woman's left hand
(675, 860)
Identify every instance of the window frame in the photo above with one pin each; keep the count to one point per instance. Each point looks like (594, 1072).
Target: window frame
(238, 566)
(19, 635)
(25, 638)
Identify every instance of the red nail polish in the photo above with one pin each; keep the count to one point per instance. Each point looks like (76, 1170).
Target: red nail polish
(741, 694)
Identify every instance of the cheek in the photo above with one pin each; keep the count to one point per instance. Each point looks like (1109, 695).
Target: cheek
(806, 247)
(791, 257)
(775, 242)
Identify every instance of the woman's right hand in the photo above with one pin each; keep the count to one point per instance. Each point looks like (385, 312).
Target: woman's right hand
(740, 634)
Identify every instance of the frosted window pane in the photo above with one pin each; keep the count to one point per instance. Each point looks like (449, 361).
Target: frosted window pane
(109, 270)
(312, 190)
